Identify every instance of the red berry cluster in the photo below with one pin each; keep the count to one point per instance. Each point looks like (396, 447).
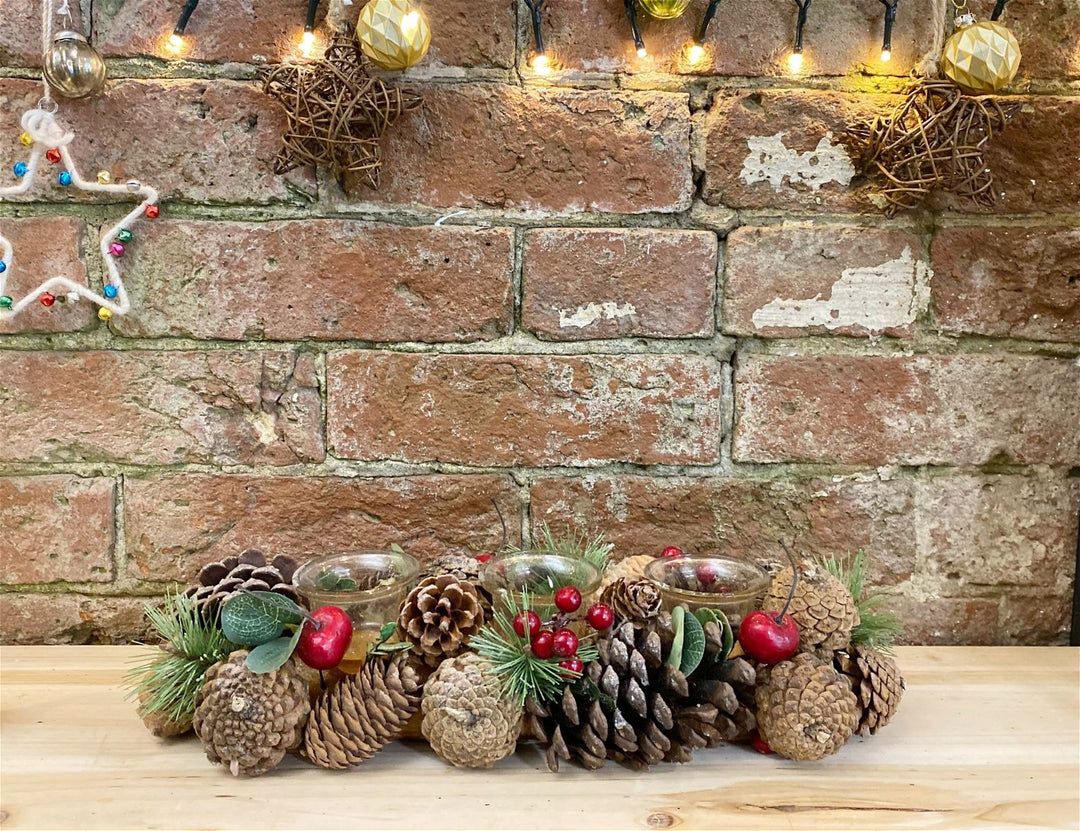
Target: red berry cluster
(555, 639)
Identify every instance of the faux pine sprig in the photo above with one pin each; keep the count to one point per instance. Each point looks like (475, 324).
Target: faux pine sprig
(877, 629)
(573, 543)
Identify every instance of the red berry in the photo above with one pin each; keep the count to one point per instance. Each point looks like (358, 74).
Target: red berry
(543, 645)
(565, 643)
(323, 648)
(568, 599)
(671, 551)
(482, 558)
(600, 616)
(768, 639)
(533, 623)
(708, 574)
(759, 744)
(572, 667)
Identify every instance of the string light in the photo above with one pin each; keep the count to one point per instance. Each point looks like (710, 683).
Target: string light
(890, 19)
(541, 64)
(176, 39)
(795, 59)
(794, 62)
(631, 15)
(695, 54)
(307, 39)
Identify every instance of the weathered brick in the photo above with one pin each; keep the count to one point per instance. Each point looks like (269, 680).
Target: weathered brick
(220, 139)
(72, 618)
(746, 37)
(177, 523)
(946, 621)
(782, 149)
(44, 247)
(745, 518)
(552, 150)
(783, 282)
(607, 283)
(1049, 35)
(161, 407)
(1008, 282)
(1040, 619)
(335, 279)
(56, 528)
(474, 33)
(20, 34)
(524, 410)
(963, 409)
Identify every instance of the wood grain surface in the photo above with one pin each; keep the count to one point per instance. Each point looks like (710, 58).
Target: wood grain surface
(986, 738)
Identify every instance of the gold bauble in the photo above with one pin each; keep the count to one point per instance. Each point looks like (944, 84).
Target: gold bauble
(981, 58)
(394, 34)
(73, 67)
(665, 9)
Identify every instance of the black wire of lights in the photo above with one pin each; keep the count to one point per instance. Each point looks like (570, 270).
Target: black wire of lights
(541, 61)
(890, 19)
(795, 59)
(176, 39)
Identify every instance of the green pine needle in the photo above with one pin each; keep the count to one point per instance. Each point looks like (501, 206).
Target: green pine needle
(877, 629)
(571, 543)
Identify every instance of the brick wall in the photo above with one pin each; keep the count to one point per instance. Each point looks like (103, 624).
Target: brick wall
(667, 311)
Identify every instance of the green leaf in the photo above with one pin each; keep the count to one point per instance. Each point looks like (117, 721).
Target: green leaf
(678, 617)
(387, 630)
(256, 618)
(395, 547)
(693, 644)
(729, 637)
(329, 580)
(267, 657)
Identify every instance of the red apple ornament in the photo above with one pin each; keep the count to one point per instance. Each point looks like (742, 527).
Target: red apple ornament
(772, 638)
(325, 638)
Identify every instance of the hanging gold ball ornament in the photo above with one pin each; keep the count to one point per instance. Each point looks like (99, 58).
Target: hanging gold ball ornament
(981, 58)
(394, 34)
(665, 9)
(72, 67)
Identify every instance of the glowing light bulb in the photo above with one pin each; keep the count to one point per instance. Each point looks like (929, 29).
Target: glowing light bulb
(886, 56)
(307, 43)
(175, 42)
(541, 64)
(641, 53)
(409, 23)
(695, 54)
(794, 61)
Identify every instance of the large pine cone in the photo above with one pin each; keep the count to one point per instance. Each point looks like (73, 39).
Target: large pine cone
(805, 711)
(467, 719)
(362, 713)
(219, 581)
(440, 615)
(876, 682)
(249, 721)
(635, 600)
(632, 568)
(822, 606)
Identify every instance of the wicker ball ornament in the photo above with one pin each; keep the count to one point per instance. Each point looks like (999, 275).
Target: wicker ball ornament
(394, 34)
(981, 58)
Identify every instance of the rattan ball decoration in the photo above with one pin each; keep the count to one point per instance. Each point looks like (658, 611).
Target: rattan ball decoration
(981, 58)
(394, 34)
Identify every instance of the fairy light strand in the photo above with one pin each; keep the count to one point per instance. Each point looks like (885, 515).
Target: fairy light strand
(541, 60)
(703, 29)
(182, 21)
(795, 59)
(890, 19)
(631, 15)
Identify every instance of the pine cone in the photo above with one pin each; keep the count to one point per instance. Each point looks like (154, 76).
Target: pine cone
(440, 615)
(822, 607)
(250, 571)
(876, 682)
(360, 714)
(463, 567)
(805, 711)
(636, 600)
(632, 568)
(467, 720)
(247, 720)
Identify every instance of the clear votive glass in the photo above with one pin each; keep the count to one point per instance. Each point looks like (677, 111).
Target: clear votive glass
(541, 572)
(732, 585)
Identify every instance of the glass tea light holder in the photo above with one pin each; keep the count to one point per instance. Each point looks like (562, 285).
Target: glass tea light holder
(734, 586)
(542, 573)
(368, 585)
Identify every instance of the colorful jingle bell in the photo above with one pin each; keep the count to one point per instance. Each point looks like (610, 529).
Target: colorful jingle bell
(982, 57)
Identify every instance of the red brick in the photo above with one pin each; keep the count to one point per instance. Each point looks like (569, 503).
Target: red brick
(552, 150)
(782, 149)
(220, 140)
(1049, 35)
(44, 247)
(963, 409)
(477, 33)
(581, 283)
(334, 279)
(72, 618)
(784, 282)
(1008, 282)
(524, 410)
(744, 518)
(747, 37)
(1042, 619)
(56, 528)
(947, 621)
(177, 523)
(20, 34)
(161, 407)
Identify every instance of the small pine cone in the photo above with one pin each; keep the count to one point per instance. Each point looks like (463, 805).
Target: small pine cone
(362, 713)
(160, 724)
(805, 711)
(636, 600)
(877, 683)
(440, 615)
(219, 581)
(822, 607)
(632, 568)
(248, 720)
(467, 719)
(462, 567)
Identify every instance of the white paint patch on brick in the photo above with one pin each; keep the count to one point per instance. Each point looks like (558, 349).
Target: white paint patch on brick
(878, 297)
(586, 315)
(770, 160)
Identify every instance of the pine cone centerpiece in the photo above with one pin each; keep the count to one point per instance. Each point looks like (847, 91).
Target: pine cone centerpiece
(251, 571)
(440, 615)
(467, 719)
(632, 568)
(805, 711)
(822, 606)
(876, 682)
(249, 721)
(635, 600)
(362, 713)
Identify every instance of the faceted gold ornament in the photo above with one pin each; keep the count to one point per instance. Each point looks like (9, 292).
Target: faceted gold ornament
(394, 34)
(981, 58)
(665, 9)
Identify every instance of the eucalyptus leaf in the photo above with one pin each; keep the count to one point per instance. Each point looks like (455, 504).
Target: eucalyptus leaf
(278, 606)
(678, 625)
(254, 618)
(693, 644)
(267, 657)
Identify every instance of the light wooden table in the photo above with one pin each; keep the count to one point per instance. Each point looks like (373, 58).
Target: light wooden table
(986, 738)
